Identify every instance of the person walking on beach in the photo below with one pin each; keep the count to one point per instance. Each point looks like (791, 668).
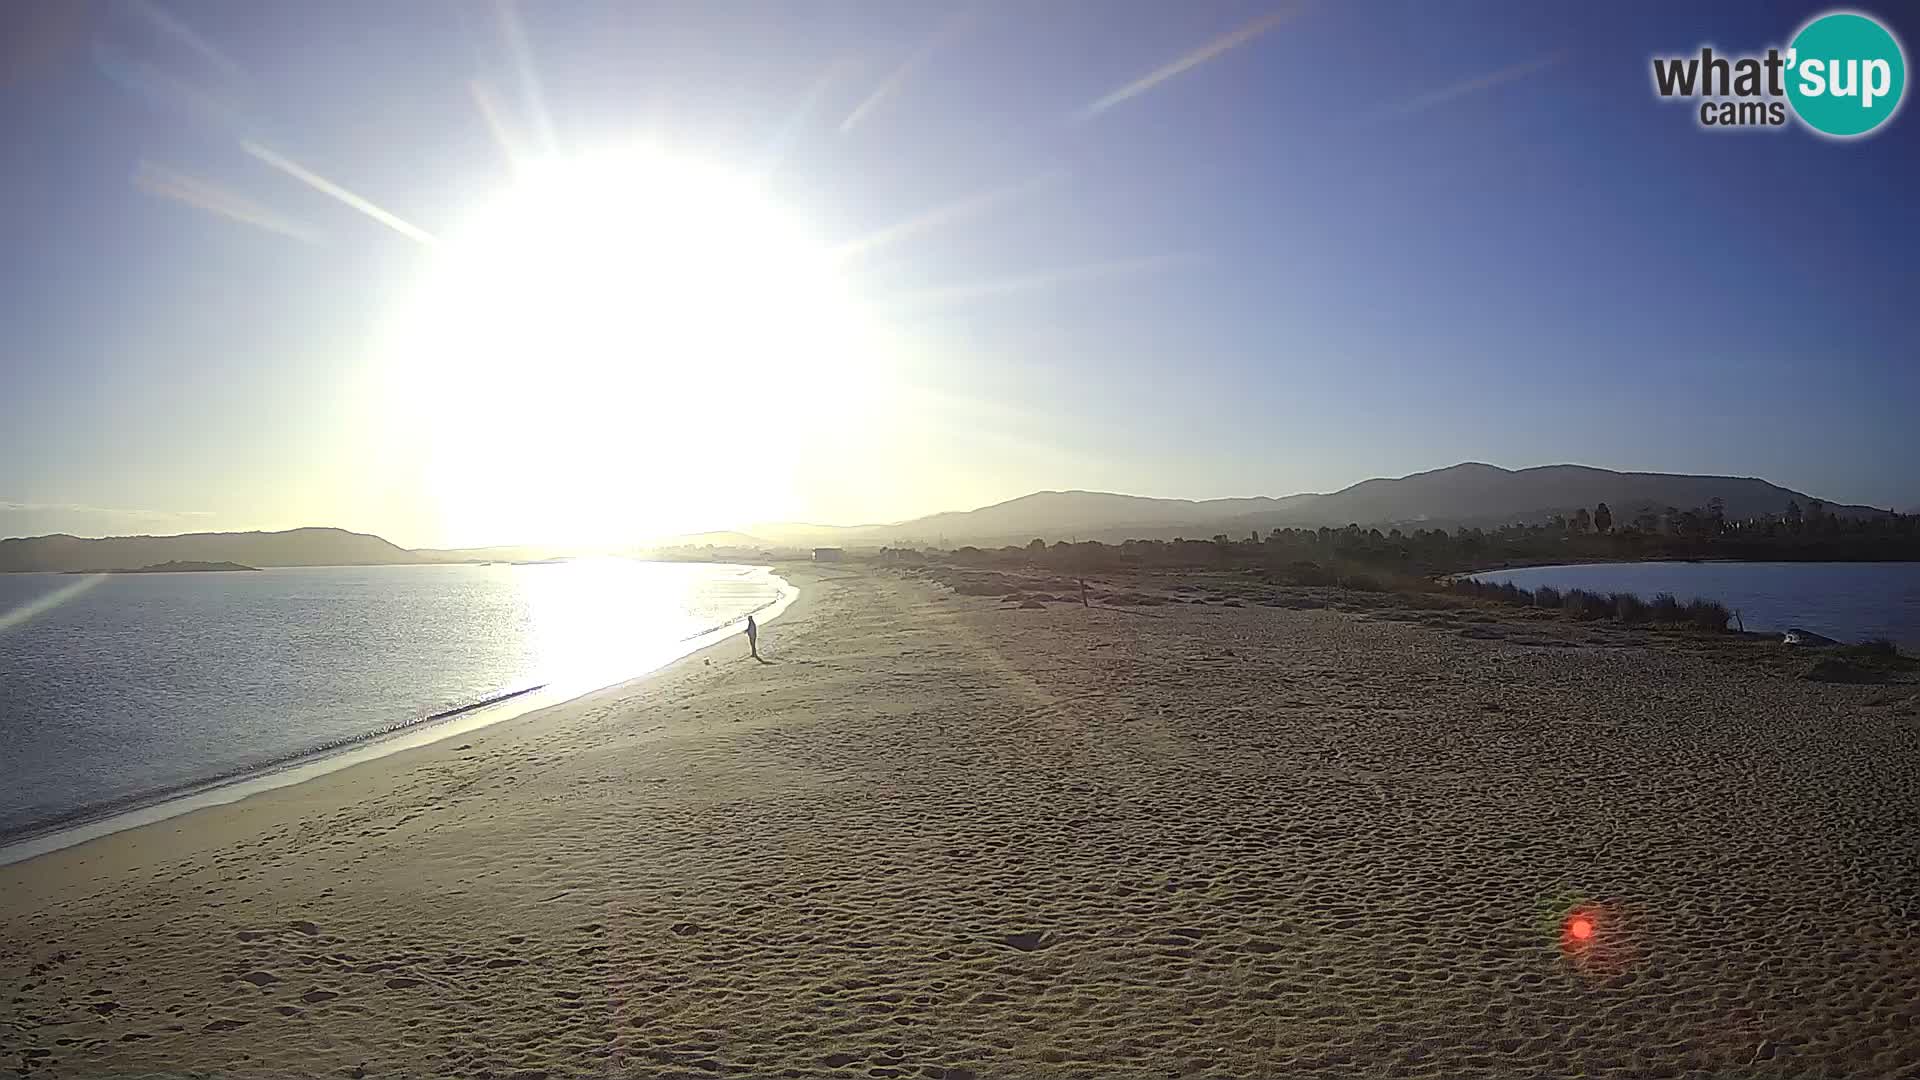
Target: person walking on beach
(753, 638)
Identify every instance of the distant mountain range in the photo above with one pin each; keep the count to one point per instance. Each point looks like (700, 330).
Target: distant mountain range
(1466, 494)
(295, 547)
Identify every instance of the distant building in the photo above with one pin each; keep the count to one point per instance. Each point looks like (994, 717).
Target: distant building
(826, 554)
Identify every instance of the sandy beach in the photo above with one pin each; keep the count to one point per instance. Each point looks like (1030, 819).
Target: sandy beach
(948, 836)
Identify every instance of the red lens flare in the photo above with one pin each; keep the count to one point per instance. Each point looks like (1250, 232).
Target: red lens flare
(1597, 941)
(1579, 931)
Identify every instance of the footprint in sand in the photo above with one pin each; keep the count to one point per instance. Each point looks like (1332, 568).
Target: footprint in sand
(1027, 940)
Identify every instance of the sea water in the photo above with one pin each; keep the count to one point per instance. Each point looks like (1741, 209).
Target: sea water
(123, 690)
(1851, 601)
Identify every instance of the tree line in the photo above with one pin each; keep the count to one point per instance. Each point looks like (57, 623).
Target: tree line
(1797, 534)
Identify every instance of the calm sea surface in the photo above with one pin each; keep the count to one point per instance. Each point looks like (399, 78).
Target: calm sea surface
(1848, 601)
(119, 689)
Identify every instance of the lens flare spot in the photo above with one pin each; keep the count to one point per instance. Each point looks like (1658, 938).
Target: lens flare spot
(1580, 928)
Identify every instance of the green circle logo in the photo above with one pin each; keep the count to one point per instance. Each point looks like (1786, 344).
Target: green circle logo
(1845, 74)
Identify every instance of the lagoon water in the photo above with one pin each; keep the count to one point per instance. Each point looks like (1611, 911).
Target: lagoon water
(1848, 601)
(121, 689)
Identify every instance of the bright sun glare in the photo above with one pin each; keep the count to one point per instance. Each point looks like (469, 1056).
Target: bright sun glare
(603, 350)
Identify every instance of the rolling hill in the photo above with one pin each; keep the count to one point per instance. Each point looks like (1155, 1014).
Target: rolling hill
(1470, 493)
(1474, 493)
(1467, 494)
(294, 547)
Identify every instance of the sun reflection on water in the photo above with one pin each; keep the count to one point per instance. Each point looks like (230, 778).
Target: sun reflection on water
(594, 621)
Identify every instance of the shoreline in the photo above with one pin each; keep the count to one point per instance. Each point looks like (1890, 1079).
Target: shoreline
(153, 808)
(945, 835)
(1768, 598)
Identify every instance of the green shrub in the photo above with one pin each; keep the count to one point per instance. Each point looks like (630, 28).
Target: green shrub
(1305, 573)
(1363, 583)
(1627, 607)
(1585, 605)
(1835, 669)
(1708, 614)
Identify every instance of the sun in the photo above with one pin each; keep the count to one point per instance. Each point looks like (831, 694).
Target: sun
(600, 351)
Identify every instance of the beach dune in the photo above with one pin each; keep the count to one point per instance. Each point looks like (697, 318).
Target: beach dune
(940, 836)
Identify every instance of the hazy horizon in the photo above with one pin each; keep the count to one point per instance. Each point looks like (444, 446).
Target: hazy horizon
(748, 528)
(461, 275)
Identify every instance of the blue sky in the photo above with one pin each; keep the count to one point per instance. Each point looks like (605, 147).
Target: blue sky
(1368, 240)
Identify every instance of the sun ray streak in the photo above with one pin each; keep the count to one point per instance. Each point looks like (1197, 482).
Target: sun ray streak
(1045, 279)
(783, 140)
(948, 31)
(40, 605)
(536, 102)
(158, 180)
(327, 187)
(1469, 86)
(490, 111)
(171, 24)
(942, 215)
(162, 89)
(1230, 40)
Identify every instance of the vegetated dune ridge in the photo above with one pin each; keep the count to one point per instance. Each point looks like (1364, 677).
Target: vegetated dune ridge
(951, 836)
